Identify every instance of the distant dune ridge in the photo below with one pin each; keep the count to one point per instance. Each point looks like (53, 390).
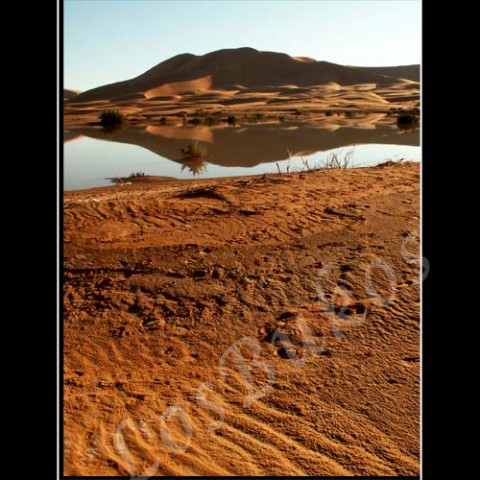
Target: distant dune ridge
(69, 93)
(242, 68)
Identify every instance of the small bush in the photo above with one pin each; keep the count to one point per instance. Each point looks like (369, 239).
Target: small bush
(390, 162)
(407, 119)
(111, 118)
(334, 160)
(137, 175)
(163, 121)
(231, 120)
(328, 113)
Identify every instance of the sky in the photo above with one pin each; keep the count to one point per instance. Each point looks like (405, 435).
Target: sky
(106, 41)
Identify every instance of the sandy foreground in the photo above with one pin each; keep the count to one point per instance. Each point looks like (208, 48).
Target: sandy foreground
(262, 325)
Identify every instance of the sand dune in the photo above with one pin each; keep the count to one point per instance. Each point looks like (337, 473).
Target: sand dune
(408, 72)
(69, 93)
(229, 68)
(203, 83)
(246, 81)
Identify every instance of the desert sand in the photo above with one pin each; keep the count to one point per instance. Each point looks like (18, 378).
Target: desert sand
(69, 93)
(262, 325)
(246, 81)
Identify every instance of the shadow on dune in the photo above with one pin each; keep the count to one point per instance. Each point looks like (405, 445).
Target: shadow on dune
(242, 68)
(250, 146)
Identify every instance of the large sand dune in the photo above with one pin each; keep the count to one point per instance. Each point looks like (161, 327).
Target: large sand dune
(70, 93)
(245, 81)
(234, 69)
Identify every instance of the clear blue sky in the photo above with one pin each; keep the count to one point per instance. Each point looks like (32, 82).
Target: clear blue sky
(111, 40)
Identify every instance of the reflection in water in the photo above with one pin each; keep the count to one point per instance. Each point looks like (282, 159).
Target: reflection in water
(111, 130)
(195, 165)
(408, 128)
(93, 154)
(249, 146)
(194, 158)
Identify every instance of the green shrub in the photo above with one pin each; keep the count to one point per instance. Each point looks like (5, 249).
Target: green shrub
(111, 118)
(407, 119)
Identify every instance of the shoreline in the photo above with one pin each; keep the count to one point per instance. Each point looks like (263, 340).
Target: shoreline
(150, 181)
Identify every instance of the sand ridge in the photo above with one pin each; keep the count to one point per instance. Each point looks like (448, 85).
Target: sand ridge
(246, 79)
(248, 67)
